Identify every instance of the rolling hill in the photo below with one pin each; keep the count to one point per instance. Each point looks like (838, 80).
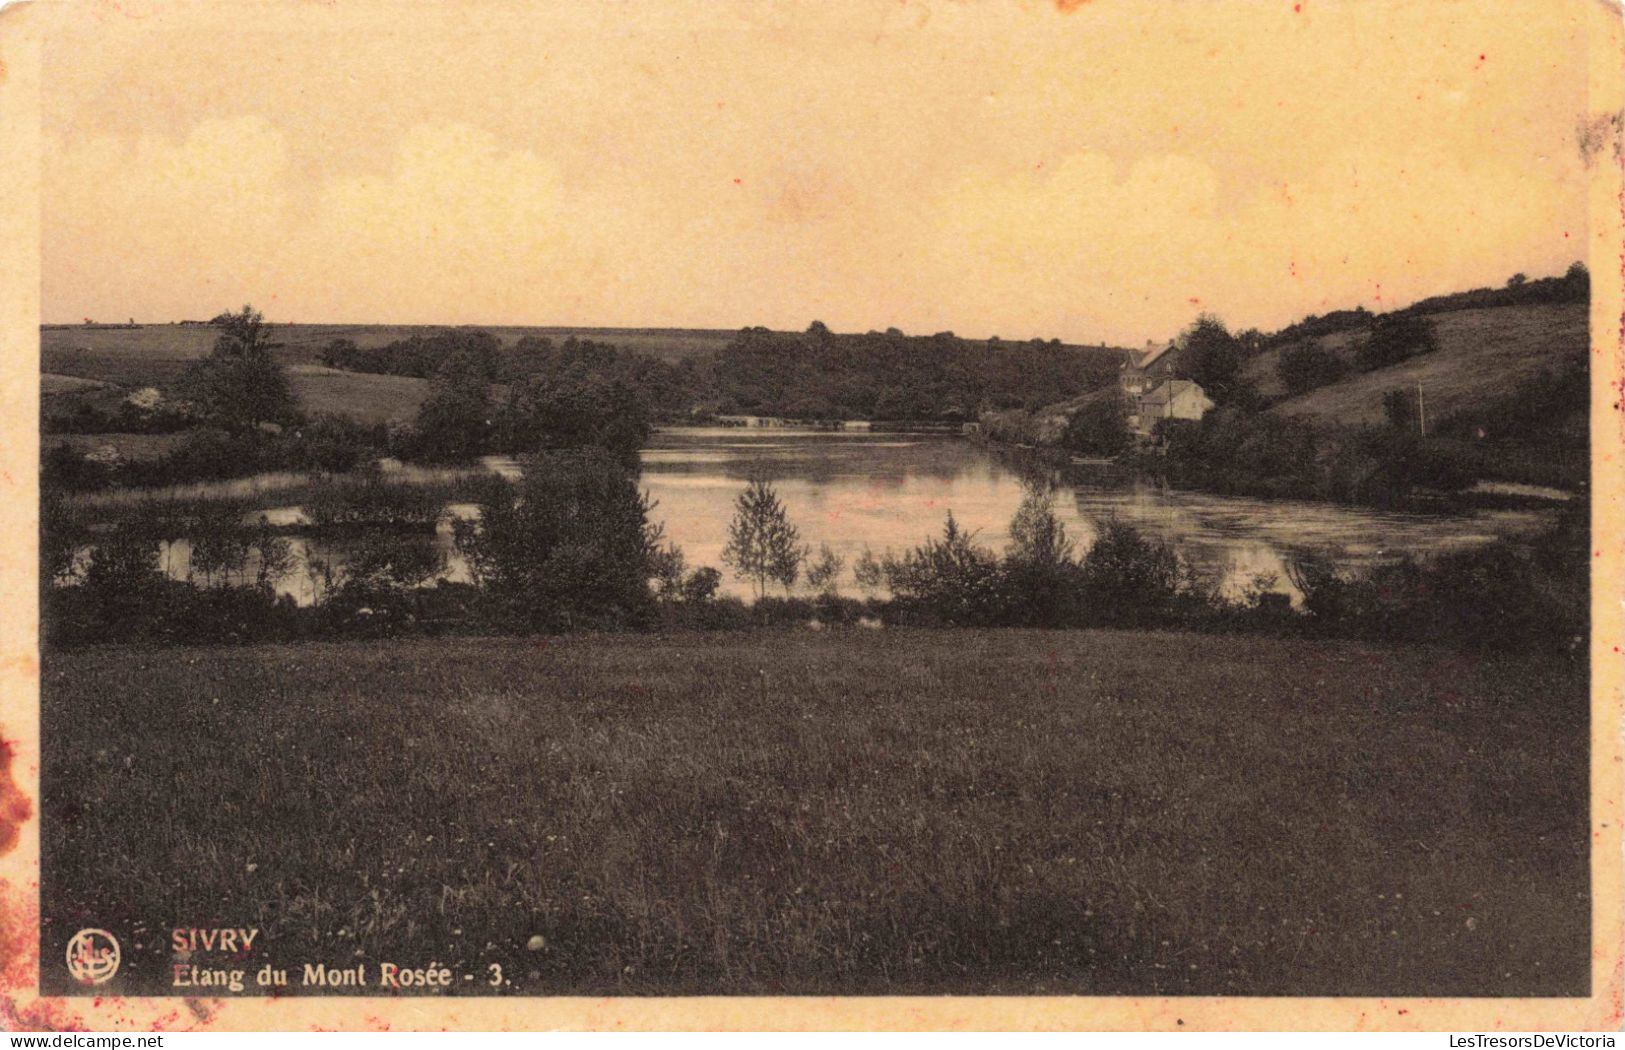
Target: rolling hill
(1483, 355)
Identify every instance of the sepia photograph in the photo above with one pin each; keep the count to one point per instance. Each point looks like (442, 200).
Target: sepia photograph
(887, 498)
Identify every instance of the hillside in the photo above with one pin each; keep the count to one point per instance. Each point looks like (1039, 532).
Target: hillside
(757, 371)
(154, 354)
(1483, 355)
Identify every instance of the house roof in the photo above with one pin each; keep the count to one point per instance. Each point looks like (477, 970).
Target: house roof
(1150, 357)
(1171, 389)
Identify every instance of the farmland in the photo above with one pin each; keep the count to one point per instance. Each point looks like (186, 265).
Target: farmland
(892, 811)
(103, 364)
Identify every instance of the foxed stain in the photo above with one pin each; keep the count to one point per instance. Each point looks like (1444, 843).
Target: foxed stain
(1066, 7)
(26, 663)
(15, 807)
(21, 1008)
(1598, 134)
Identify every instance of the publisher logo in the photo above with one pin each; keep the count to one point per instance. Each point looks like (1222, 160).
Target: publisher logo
(93, 956)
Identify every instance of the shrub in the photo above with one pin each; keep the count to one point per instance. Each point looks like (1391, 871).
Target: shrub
(949, 580)
(824, 574)
(701, 585)
(1041, 580)
(1303, 368)
(868, 572)
(1127, 576)
(1394, 338)
(569, 545)
(370, 499)
(65, 468)
(1100, 426)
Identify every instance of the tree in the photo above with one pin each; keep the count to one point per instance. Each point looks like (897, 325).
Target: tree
(701, 584)
(1126, 573)
(570, 544)
(239, 385)
(1577, 283)
(868, 572)
(575, 409)
(1037, 534)
(1211, 357)
(1041, 577)
(1399, 406)
(454, 423)
(1303, 368)
(1100, 426)
(824, 574)
(951, 579)
(1394, 338)
(762, 544)
(1516, 279)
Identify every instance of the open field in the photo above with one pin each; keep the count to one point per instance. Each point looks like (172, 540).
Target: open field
(368, 398)
(154, 354)
(1483, 354)
(862, 812)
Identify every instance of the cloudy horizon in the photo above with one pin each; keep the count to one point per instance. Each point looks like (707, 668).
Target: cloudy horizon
(1101, 173)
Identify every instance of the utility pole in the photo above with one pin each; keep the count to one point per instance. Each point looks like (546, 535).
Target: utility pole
(1421, 411)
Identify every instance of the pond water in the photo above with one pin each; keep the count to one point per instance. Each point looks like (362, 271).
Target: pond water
(855, 490)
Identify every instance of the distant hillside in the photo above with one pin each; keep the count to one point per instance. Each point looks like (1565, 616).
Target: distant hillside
(756, 371)
(1483, 355)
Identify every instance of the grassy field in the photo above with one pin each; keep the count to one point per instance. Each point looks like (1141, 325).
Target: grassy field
(105, 364)
(861, 812)
(153, 354)
(1482, 354)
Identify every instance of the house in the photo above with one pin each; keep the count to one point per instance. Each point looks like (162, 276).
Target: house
(1154, 390)
(1145, 371)
(1173, 399)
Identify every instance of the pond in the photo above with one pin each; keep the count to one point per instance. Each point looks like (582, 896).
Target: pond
(887, 491)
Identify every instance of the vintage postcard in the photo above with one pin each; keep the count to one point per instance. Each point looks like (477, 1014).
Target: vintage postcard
(880, 514)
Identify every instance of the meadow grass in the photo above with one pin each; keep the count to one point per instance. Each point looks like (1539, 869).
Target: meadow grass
(1482, 355)
(862, 812)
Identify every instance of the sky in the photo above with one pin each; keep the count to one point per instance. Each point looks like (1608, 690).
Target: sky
(1093, 170)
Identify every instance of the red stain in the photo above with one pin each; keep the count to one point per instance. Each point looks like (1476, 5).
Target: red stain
(1066, 7)
(1195, 301)
(1297, 9)
(21, 1009)
(15, 807)
(739, 182)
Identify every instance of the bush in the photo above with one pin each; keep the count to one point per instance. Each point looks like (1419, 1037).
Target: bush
(1127, 577)
(370, 499)
(1303, 368)
(569, 545)
(64, 468)
(1394, 338)
(1100, 426)
(949, 580)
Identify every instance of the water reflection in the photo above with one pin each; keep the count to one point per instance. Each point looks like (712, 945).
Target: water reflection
(884, 491)
(855, 490)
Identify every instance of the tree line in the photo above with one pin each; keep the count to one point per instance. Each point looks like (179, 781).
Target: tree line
(813, 375)
(570, 545)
